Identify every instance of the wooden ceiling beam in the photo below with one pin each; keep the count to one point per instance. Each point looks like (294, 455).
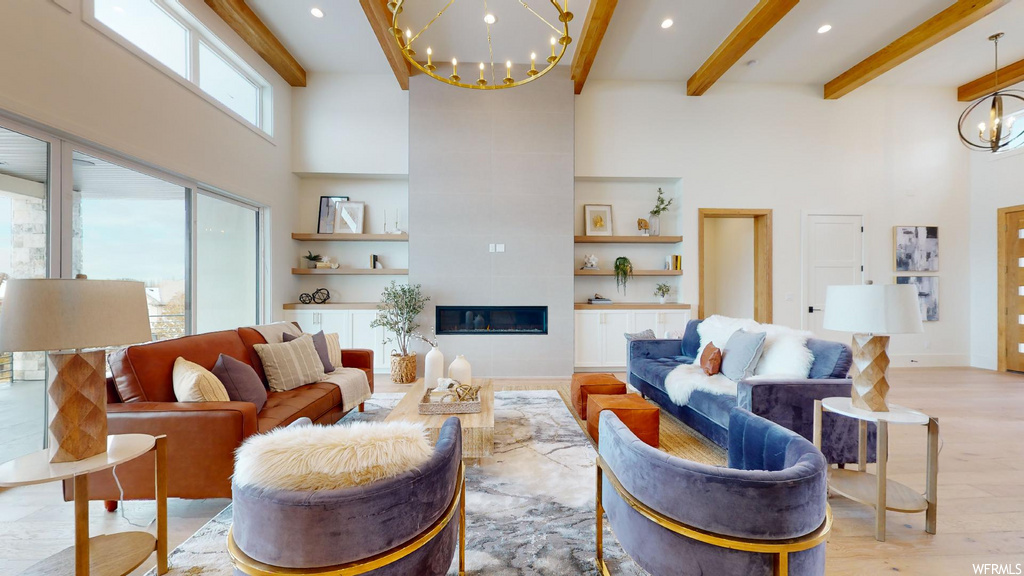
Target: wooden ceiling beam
(757, 23)
(599, 15)
(380, 20)
(960, 15)
(1008, 76)
(255, 33)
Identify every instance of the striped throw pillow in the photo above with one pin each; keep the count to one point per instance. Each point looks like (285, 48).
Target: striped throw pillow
(193, 383)
(291, 364)
(334, 349)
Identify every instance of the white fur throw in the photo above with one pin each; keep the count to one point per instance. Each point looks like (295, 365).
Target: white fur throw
(686, 379)
(311, 458)
(785, 353)
(719, 329)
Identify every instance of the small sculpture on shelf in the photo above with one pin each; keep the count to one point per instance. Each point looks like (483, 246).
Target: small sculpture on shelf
(312, 259)
(319, 296)
(590, 262)
(643, 226)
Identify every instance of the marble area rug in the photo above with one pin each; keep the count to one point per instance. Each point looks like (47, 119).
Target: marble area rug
(530, 509)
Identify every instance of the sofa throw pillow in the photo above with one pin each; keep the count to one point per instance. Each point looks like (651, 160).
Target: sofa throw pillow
(741, 354)
(193, 383)
(291, 364)
(645, 335)
(711, 360)
(320, 344)
(310, 458)
(334, 350)
(241, 381)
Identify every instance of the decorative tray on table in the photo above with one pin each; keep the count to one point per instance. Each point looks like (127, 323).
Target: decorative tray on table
(451, 398)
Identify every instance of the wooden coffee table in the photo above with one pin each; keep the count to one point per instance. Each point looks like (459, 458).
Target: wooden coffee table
(477, 429)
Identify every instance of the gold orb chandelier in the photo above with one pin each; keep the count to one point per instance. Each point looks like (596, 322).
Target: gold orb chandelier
(996, 114)
(406, 40)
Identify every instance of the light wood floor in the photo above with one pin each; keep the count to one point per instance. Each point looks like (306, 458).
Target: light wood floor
(981, 485)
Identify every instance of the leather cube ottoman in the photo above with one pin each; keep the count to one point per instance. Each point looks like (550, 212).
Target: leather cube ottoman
(639, 415)
(584, 384)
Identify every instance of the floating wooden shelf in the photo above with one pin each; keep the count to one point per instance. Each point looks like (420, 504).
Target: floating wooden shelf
(628, 239)
(635, 273)
(350, 272)
(632, 306)
(403, 237)
(332, 306)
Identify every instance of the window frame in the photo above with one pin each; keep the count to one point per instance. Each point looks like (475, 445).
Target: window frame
(198, 32)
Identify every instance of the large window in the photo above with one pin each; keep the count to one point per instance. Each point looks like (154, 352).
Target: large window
(166, 34)
(227, 264)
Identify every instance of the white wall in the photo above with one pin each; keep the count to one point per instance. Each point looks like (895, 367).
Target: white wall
(997, 181)
(729, 267)
(66, 75)
(884, 152)
(351, 124)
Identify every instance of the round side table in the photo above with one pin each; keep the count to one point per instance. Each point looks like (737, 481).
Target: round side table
(107, 555)
(875, 489)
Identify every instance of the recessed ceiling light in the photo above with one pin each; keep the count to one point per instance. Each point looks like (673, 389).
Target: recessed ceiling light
(490, 19)
(666, 23)
(316, 12)
(824, 28)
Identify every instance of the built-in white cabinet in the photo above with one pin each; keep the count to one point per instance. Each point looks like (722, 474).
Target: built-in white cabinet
(353, 329)
(600, 334)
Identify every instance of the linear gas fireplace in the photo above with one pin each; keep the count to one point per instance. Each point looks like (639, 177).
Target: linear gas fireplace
(492, 320)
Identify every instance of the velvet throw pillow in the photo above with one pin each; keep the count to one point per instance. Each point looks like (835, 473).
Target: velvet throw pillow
(193, 383)
(320, 344)
(711, 360)
(291, 364)
(741, 354)
(241, 381)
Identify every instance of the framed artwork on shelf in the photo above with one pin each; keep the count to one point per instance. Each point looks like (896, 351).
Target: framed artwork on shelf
(916, 248)
(927, 294)
(348, 217)
(597, 219)
(325, 218)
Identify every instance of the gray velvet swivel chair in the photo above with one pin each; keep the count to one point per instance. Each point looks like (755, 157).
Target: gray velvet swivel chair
(766, 513)
(394, 527)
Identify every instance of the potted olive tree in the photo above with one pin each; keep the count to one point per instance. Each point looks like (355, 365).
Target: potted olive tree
(400, 305)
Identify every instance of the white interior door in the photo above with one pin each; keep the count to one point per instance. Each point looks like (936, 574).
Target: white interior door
(833, 255)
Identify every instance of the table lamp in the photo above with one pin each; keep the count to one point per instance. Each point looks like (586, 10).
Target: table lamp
(62, 317)
(872, 312)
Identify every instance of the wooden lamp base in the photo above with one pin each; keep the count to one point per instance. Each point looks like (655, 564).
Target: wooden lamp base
(870, 363)
(79, 390)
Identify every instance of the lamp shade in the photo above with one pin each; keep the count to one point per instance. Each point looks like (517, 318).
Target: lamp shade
(873, 309)
(49, 314)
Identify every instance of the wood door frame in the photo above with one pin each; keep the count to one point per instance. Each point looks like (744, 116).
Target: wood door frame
(1002, 271)
(762, 257)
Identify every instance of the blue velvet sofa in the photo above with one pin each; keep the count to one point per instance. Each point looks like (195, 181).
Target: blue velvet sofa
(303, 531)
(789, 403)
(765, 514)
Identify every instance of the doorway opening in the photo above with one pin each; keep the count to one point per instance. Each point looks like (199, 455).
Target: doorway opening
(735, 263)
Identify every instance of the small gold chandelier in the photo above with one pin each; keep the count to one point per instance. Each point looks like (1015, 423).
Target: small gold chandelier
(997, 134)
(559, 44)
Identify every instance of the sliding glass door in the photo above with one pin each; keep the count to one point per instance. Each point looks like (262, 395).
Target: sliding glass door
(227, 263)
(25, 184)
(127, 225)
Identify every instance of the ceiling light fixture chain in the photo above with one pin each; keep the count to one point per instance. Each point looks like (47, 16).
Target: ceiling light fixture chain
(405, 41)
(997, 133)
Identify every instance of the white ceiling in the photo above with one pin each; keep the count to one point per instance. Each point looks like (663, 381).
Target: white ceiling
(637, 48)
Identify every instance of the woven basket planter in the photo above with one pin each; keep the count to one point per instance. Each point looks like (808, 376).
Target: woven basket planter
(403, 368)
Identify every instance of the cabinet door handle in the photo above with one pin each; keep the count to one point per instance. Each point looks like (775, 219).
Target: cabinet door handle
(603, 319)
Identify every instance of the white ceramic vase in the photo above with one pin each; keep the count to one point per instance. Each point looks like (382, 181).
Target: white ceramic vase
(433, 368)
(461, 370)
(655, 225)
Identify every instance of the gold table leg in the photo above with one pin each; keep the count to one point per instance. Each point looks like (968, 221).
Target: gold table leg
(862, 445)
(882, 455)
(816, 435)
(462, 530)
(161, 505)
(932, 483)
(82, 525)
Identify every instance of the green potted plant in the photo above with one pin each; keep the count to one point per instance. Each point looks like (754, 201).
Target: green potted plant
(311, 259)
(400, 305)
(660, 206)
(661, 291)
(623, 272)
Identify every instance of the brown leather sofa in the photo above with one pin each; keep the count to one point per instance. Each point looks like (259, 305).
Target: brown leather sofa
(201, 437)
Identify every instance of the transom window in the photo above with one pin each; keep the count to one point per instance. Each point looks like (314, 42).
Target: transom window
(172, 39)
